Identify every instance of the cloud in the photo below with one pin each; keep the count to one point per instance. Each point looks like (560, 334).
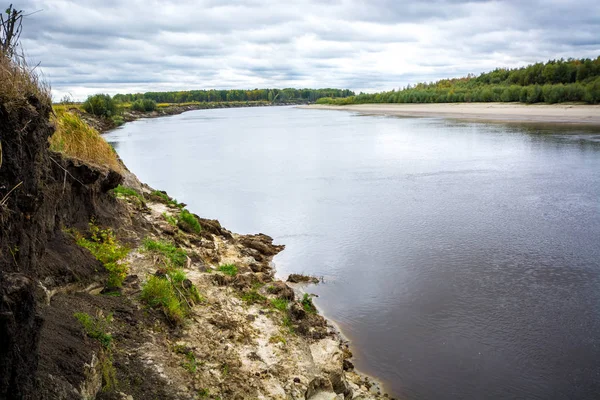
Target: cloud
(114, 46)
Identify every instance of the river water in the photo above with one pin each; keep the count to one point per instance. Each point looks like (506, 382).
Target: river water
(461, 259)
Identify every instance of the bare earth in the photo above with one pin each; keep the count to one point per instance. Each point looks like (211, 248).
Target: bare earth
(574, 114)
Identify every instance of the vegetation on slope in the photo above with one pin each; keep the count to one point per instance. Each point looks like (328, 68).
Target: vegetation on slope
(572, 80)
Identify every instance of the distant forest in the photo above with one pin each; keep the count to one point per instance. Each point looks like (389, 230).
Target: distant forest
(557, 81)
(272, 95)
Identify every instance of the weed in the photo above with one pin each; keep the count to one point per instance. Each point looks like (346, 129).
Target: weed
(228, 269)
(104, 246)
(252, 297)
(188, 222)
(171, 220)
(96, 327)
(277, 339)
(172, 255)
(279, 304)
(171, 294)
(190, 363)
(307, 304)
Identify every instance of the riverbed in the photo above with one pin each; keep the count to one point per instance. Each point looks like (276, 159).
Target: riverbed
(462, 259)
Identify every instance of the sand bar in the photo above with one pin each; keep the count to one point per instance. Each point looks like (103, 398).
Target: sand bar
(574, 114)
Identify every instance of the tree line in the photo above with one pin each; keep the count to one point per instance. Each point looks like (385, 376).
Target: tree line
(213, 95)
(556, 81)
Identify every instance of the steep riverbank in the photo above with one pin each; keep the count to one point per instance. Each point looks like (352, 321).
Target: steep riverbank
(572, 114)
(247, 335)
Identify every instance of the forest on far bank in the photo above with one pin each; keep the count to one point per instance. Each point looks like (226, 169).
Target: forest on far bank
(556, 81)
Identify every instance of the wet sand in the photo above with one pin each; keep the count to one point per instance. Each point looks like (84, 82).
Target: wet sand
(574, 114)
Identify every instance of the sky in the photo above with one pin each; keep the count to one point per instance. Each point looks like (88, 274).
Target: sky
(110, 46)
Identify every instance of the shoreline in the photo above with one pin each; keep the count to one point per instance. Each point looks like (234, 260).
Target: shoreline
(563, 114)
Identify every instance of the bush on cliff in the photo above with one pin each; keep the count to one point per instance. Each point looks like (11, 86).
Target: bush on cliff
(101, 105)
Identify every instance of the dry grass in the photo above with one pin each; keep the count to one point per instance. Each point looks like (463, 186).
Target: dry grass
(18, 83)
(76, 139)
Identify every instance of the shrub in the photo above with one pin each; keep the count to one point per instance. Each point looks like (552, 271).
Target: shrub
(143, 105)
(101, 105)
(188, 222)
(308, 305)
(172, 255)
(104, 246)
(228, 269)
(74, 138)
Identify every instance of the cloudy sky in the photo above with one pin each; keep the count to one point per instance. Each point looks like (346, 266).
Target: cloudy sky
(111, 46)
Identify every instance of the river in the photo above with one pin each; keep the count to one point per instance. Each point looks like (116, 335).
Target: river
(461, 259)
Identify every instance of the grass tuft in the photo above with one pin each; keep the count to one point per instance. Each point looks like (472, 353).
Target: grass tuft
(228, 269)
(188, 222)
(74, 138)
(307, 304)
(164, 198)
(172, 255)
(280, 304)
(18, 83)
(96, 327)
(171, 294)
(171, 220)
(253, 297)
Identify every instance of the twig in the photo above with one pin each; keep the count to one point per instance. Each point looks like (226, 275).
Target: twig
(5, 198)
(64, 169)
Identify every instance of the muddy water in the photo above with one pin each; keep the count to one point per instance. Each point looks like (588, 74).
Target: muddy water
(462, 259)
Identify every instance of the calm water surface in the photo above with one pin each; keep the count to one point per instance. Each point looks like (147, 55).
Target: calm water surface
(462, 259)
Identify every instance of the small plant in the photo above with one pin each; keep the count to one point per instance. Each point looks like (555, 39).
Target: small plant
(96, 327)
(228, 269)
(225, 369)
(277, 339)
(203, 393)
(287, 323)
(164, 198)
(190, 363)
(104, 246)
(171, 294)
(188, 222)
(171, 220)
(172, 255)
(307, 304)
(252, 297)
(128, 193)
(279, 304)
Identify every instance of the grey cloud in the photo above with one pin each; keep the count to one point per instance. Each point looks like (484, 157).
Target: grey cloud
(90, 45)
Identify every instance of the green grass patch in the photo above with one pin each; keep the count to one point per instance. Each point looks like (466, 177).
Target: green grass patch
(171, 294)
(171, 220)
(277, 339)
(287, 323)
(105, 247)
(164, 198)
(126, 192)
(172, 255)
(228, 269)
(253, 297)
(96, 327)
(279, 304)
(307, 304)
(188, 222)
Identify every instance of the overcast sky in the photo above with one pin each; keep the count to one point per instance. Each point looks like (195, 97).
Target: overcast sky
(111, 46)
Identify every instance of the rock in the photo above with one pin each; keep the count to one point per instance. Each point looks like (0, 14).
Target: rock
(281, 290)
(320, 388)
(297, 312)
(299, 278)
(348, 365)
(296, 380)
(340, 385)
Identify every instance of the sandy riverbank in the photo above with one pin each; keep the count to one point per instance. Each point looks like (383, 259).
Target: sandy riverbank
(573, 114)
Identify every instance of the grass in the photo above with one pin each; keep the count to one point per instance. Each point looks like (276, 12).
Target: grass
(287, 323)
(122, 191)
(171, 220)
(96, 327)
(163, 197)
(188, 222)
(307, 304)
(277, 339)
(253, 297)
(228, 269)
(75, 138)
(172, 255)
(170, 294)
(280, 304)
(18, 82)
(190, 363)
(105, 247)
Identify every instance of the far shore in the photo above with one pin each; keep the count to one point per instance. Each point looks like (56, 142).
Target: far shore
(572, 114)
